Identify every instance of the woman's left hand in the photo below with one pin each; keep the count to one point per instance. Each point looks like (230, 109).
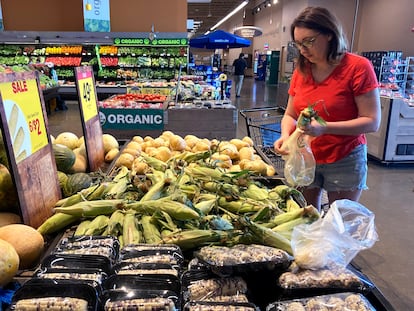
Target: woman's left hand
(314, 128)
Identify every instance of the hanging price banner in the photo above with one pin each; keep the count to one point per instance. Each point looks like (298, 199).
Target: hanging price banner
(24, 116)
(87, 94)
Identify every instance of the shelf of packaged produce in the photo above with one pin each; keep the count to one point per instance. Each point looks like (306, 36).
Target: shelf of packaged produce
(69, 91)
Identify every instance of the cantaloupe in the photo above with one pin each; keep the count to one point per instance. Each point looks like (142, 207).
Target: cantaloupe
(7, 218)
(27, 242)
(9, 263)
(68, 139)
(109, 142)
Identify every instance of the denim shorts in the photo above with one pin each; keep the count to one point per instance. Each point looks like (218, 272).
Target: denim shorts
(347, 174)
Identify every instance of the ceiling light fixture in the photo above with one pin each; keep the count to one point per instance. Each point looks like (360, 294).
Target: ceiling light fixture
(263, 5)
(237, 9)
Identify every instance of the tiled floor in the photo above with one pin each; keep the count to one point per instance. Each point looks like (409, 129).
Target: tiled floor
(390, 262)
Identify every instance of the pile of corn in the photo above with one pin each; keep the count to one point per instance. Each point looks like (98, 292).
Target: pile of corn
(188, 201)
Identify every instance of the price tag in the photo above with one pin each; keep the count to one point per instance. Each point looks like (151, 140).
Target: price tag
(87, 94)
(24, 116)
(89, 115)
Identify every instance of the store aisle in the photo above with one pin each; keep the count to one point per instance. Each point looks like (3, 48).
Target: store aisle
(390, 263)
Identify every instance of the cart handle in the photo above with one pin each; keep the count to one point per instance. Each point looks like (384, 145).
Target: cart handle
(277, 108)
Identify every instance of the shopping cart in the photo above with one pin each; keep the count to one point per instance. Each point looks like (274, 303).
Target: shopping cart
(263, 127)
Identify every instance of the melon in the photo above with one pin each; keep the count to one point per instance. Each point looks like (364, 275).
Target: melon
(109, 142)
(27, 242)
(7, 218)
(9, 263)
(64, 157)
(68, 139)
(8, 193)
(76, 182)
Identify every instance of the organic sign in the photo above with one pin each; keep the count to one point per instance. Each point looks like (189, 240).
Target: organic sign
(132, 119)
(148, 42)
(26, 138)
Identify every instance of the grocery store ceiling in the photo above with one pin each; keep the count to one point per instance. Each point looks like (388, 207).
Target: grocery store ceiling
(207, 13)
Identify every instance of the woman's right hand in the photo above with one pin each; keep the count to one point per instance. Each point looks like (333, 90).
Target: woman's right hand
(277, 146)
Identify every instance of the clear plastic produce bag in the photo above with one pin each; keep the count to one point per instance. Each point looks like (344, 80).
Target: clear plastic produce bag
(300, 164)
(347, 228)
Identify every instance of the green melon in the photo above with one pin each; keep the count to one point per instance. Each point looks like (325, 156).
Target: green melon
(76, 182)
(64, 157)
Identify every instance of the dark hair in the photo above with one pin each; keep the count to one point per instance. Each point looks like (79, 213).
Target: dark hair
(324, 22)
(241, 55)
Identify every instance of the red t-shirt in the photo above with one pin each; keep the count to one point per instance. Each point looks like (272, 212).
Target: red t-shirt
(354, 76)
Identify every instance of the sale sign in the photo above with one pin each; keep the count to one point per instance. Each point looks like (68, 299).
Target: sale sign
(24, 116)
(30, 156)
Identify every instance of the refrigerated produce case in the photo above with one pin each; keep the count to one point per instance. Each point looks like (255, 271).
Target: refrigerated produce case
(394, 141)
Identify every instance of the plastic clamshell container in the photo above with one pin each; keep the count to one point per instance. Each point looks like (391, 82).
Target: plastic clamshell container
(74, 261)
(130, 297)
(147, 268)
(142, 282)
(35, 288)
(242, 258)
(91, 277)
(338, 301)
(219, 306)
(90, 245)
(304, 283)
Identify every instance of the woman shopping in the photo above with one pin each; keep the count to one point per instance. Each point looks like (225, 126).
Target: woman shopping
(343, 88)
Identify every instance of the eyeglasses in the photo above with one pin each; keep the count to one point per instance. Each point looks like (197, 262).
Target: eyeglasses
(306, 43)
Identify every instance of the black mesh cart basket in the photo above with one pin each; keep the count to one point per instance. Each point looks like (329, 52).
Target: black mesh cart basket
(263, 127)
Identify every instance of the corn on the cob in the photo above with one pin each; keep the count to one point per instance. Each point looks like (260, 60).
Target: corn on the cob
(165, 221)
(255, 192)
(305, 117)
(115, 223)
(150, 231)
(93, 192)
(204, 173)
(175, 209)
(52, 303)
(57, 222)
(140, 304)
(154, 162)
(131, 233)
(154, 192)
(206, 206)
(242, 205)
(203, 289)
(97, 225)
(92, 208)
(266, 236)
(82, 227)
(291, 204)
(288, 216)
(189, 239)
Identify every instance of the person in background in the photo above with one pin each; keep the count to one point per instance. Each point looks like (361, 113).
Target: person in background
(261, 69)
(345, 89)
(240, 66)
